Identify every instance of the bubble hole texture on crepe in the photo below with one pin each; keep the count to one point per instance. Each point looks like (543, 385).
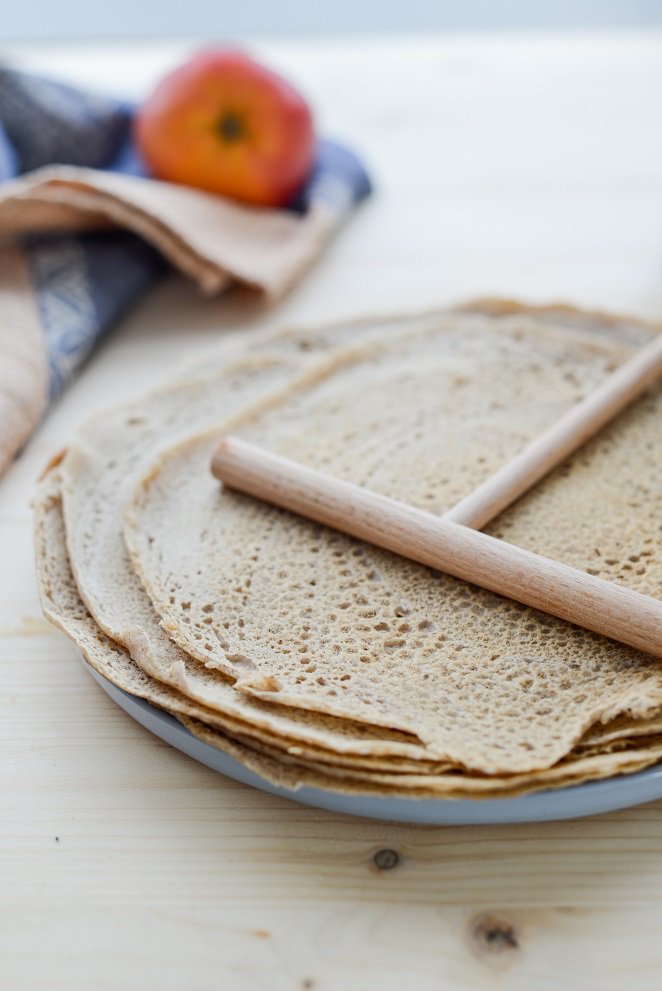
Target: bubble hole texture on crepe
(305, 615)
(98, 471)
(112, 448)
(108, 649)
(64, 607)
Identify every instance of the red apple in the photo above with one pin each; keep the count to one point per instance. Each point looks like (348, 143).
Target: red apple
(224, 123)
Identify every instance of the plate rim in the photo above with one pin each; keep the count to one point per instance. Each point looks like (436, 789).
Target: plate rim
(577, 801)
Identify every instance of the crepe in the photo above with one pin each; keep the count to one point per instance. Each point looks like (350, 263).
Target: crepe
(317, 660)
(98, 472)
(458, 785)
(311, 618)
(63, 606)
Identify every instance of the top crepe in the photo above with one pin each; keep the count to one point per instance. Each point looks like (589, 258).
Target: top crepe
(423, 410)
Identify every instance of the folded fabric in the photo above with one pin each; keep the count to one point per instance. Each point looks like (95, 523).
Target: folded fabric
(84, 232)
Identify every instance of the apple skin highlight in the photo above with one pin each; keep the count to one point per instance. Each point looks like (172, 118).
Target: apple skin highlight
(226, 124)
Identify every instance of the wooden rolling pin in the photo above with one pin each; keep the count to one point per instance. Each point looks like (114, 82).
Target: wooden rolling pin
(555, 588)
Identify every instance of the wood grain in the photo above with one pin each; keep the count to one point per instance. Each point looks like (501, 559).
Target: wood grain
(585, 600)
(520, 167)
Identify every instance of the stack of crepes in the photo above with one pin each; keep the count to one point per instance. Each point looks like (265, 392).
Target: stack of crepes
(316, 659)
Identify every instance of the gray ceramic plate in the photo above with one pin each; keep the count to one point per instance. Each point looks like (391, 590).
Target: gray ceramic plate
(565, 803)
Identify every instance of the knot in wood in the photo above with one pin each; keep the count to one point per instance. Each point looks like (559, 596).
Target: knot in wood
(386, 859)
(494, 934)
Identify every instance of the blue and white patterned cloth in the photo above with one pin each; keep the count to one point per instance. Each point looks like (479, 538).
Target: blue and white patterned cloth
(84, 282)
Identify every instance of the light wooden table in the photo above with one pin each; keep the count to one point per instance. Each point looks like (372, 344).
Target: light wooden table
(530, 167)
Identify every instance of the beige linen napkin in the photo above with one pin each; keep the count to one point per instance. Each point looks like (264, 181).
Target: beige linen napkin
(65, 271)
